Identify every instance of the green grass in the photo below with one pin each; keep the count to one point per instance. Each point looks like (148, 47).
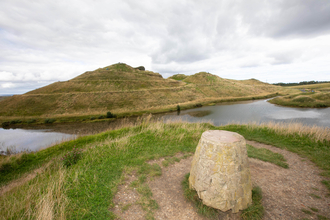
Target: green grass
(87, 188)
(314, 209)
(306, 211)
(315, 196)
(171, 160)
(178, 77)
(327, 184)
(321, 217)
(267, 155)
(309, 100)
(256, 210)
(91, 183)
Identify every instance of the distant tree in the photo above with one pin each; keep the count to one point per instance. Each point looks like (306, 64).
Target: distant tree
(300, 83)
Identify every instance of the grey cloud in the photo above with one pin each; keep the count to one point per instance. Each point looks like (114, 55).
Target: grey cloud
(302, 18)
(285, 57)
(294, 18)
(189, 35)
(58, 40)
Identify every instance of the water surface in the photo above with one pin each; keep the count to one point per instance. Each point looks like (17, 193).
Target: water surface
(42, 136)
(256, 111)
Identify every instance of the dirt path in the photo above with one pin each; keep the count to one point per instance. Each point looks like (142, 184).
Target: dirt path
(285, 191)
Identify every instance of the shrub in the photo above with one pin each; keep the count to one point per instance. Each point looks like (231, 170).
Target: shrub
(5, 124)
(72, 157)
(110, 115)
(92, 118)
(320, 105)
(140, 68)
(101, 117)
(49, 120)
(198, 105)
(15, 122)
(178, 108)
(30, 121)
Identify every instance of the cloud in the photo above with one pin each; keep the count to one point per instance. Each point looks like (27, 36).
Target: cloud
(7, 85)
(293, 19)
(58, 40)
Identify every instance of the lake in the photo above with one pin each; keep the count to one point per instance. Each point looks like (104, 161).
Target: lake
(42, 136)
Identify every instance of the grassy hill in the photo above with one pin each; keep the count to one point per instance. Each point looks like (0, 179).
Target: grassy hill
(125, 90)
(319, 87)
(178, 77)
(311, 96)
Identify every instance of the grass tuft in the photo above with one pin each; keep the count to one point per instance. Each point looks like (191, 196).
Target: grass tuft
(315, 196)
(314, 209)
(321, 217)
(256, 210)
(267, 155)
(306, 211)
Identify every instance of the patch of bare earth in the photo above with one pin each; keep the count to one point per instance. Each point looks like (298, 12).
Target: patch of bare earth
(285, 191)
(126, 199)
(167, 191)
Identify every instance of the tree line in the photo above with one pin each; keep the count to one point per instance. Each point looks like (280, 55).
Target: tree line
(300, 83)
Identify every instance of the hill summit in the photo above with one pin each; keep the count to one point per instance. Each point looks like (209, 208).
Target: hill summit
(125, 90)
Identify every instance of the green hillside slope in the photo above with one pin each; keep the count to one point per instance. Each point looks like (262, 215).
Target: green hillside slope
(124, 90)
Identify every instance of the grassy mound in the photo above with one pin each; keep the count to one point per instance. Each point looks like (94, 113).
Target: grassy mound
(306, 99)
(303, 99)
(124, 91)
(178, 77)
(322, 96)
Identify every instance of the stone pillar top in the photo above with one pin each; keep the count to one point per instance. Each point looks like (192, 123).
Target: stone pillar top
(220, 136)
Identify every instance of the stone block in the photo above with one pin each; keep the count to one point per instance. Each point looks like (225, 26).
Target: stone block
(220, 171)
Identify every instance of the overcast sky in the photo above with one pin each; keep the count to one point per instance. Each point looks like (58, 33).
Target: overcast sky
(44, 41)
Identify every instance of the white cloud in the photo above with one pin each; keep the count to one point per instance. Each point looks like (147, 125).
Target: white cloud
(58, 40)
(7, 85)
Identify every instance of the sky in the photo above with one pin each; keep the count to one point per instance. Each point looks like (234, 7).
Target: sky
(44, 41)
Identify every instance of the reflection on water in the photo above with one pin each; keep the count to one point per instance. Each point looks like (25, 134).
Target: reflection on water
(199, 113)
(41, 136)
(30, 140)
(255, 111)
(292, 114)
(34, 138)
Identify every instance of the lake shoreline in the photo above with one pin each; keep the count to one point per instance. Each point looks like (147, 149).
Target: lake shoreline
(15, 121)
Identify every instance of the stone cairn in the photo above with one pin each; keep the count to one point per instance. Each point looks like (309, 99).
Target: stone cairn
(220, 171)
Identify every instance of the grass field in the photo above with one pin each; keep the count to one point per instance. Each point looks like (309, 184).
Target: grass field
(311, 96)
(305, 99)
(318, 87)
(85, 190)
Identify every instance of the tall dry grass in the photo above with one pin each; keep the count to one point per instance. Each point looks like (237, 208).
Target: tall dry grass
(314, 132)
(43, 197)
